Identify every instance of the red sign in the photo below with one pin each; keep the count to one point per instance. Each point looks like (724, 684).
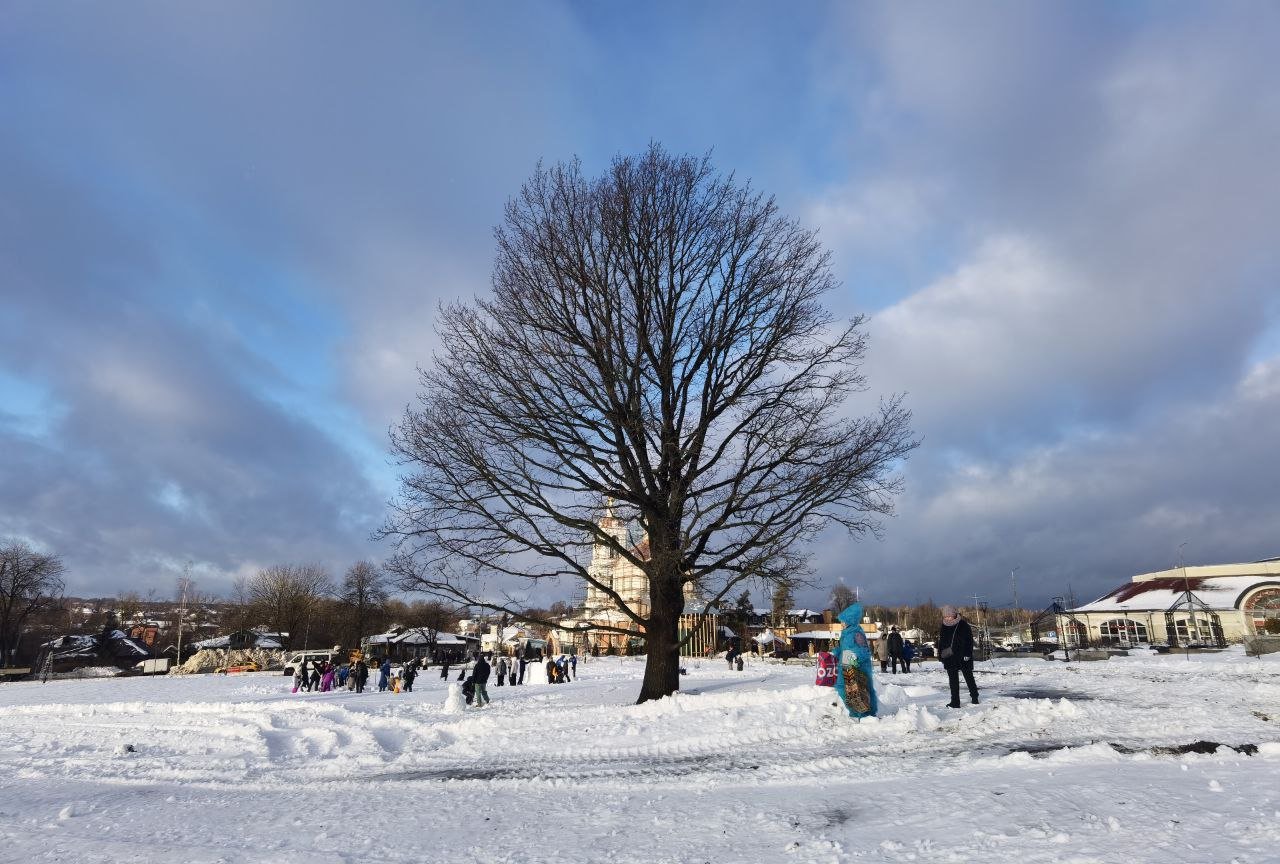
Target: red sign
(826, 669)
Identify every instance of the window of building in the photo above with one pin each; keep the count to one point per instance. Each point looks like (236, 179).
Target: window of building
(1124, 631)
(1201, 631)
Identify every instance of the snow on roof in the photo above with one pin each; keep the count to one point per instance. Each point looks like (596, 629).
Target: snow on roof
(1158, 594)
(816, 634)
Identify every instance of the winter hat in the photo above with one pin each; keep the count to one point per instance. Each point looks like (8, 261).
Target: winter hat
(948, 611)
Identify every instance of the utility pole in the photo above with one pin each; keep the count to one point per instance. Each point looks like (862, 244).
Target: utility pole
(1013, 577)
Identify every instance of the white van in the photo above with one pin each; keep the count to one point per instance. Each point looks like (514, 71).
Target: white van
(309, 657)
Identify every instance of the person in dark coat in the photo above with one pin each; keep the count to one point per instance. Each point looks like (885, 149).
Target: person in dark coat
(315, 676)
(444, 670)
(480, 677)
(306, 676)
(361, 674)
(553, 672)
(384, 675)
(523, 663)
(908, 654)
(955, 649)
(895, 649)
(410, 672)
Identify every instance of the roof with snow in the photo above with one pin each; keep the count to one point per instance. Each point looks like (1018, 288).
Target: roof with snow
(817, 634)
(1157, 592)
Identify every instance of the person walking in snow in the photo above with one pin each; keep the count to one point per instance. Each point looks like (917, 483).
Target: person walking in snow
(502, 671)
(573, 664)
(384, 675)
(361, 674)
(908, 654)
(444, 670)
(895, 648)
(480, 677)
(326, 678)
(955, 649)
(315, 676)
(406, 677)
(305, 669)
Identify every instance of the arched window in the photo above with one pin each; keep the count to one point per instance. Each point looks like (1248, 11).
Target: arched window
(1124, 631)
(1262, 607)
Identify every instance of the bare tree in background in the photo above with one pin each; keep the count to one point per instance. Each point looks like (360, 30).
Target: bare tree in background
(362, 599)
(287, 596)
(30, 584)
(842, 597)
(655, 340)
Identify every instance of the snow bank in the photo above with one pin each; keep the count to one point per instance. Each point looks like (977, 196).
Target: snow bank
(211, 659)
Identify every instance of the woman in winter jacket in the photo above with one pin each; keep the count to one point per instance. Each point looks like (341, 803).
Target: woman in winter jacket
(955, 649)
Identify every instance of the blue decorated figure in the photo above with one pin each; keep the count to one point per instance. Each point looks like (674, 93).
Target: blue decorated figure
(853, 682)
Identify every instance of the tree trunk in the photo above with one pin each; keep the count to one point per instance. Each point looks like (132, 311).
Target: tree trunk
(662, 640)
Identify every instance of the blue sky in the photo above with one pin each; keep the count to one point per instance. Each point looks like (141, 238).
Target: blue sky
(225, 229)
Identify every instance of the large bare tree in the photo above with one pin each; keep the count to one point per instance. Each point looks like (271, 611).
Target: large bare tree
(287, 597)
(362, 597)
(30, 583)
(655, 339)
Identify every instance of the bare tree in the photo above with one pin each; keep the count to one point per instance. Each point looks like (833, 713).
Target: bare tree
(655, 340)
(842, 597)
(128, 607)
(30, 584)
(362, 598)
(288, 596)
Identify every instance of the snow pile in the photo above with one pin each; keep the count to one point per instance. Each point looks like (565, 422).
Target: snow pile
(88, 672)
(211, 659)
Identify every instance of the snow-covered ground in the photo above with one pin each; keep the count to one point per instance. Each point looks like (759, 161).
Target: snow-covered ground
(1061, 762)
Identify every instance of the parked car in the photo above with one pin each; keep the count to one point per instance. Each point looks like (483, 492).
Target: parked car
(310, 657)
(239, 667)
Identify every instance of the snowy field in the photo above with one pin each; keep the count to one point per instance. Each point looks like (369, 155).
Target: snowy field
(1080, 762)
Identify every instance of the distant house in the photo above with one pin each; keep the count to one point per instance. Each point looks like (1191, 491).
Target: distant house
(1208, 604)
(411, 643)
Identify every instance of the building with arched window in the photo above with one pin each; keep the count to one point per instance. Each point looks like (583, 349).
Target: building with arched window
(1208, 604)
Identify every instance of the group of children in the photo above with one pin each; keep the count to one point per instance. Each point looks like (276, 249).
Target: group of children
(324, 675)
